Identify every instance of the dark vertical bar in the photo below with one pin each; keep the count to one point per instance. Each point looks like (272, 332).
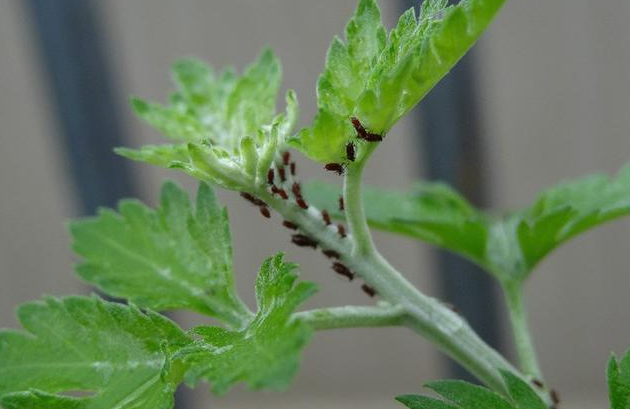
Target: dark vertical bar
(87, 105)
(453, 152)
(71, 46)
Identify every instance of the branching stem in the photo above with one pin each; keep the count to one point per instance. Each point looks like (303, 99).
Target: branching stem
(352, 317)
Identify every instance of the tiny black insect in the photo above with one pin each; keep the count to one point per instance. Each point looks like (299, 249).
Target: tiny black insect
(302, 203)
(326, 217)
(252, 199)
(341, 230)
(265, 212)
(331, 254)
(334, 167)
(554, 396)
(368, 290)
(303, 241)
(286, 157)
(342, 205)
(538, 383)
(292, 167)
(350, 152)
(343, 270)
(289, 225)
(283, 175)
(270, 176)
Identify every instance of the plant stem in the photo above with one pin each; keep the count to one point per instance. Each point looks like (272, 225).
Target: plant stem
(525, 350)
(352, 317)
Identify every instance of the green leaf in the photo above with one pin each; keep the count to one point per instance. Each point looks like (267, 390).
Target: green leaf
(464, 395)
(114, 353)
(221, 124)
(424, 402)
(469, 396)
(521, 393)
(379, 78)
(618, 373)
(266, 354)
(174, 257)
(431, 212)
(510, 246)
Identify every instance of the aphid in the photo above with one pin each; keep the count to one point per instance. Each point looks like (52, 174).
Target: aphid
(292, 167)
(297, 190)
(451, 307)
(270, 176)
(343, 270)
(283, 175)
(265, 212)
(341, 230)
(331, 254)
(290, 225)
(342, 205)
(538, 383)
(363, 134)
(554, 397)
(350, 152)
(253, 200)
(280, 192)
(303, 241)
(286, 157)
(334, 167)
(302, 203)
(368, 290)
(326, 217)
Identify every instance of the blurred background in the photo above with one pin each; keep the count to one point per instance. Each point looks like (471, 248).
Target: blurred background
(545, 96)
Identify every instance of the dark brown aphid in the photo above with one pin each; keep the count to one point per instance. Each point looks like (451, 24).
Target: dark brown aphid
(302, 203)
(331, 254)
(538, 383)
(265, 212)
(326, 217)
(342, 205)
(341, 230)
(334, 167)
(368, 290)
(286, 157)
(555, 398)
(283, 175)
(297, 190)
(451, 307)
(343, 271)
(303, 241)
(270, 176)
(363, 134)
(280, 192)
(292, 167)
(350, 152)
(252, 199)
(290, 225)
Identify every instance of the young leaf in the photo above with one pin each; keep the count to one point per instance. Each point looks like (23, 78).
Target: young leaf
(424, 402)
(469, 396)
(266, 354)
(521, 393)
(221, 125)
(170, 258)
(379, 78)
(509, 246)
(114, 353)
(618, 373)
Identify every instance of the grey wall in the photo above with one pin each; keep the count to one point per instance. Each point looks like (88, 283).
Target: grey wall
(555, 92)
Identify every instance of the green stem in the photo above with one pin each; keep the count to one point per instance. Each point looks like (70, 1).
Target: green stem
(352, 317)
(522, 336)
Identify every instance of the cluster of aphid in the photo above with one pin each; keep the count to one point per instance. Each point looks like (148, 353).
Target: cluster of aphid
(362, 134)
(285, 173)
